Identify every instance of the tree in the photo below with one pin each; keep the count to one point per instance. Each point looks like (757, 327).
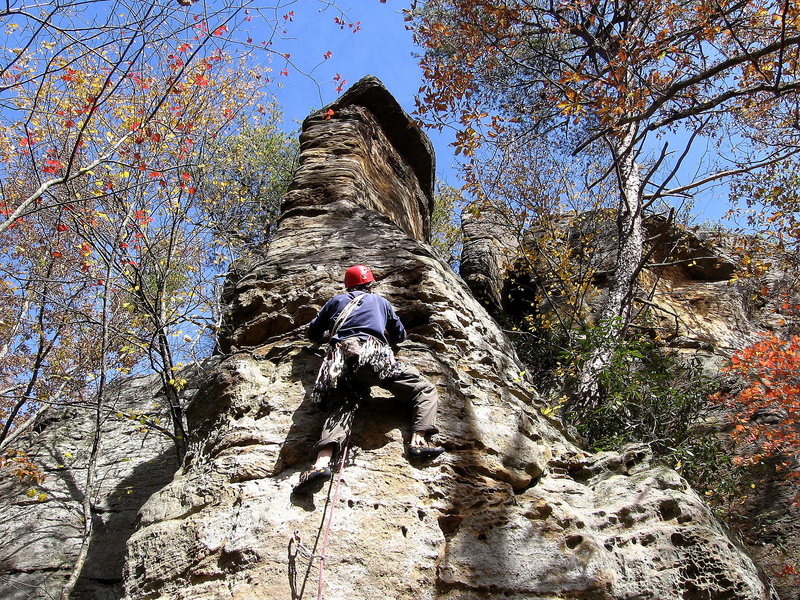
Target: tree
(113, 112)
(251, 172)
(616, 85)
(445, 231)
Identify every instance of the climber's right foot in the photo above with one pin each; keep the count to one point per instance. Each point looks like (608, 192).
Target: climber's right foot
(426, 451)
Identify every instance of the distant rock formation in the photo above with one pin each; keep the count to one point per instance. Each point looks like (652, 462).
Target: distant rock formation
(696, 308)
(689, 289)
(512, 510)
(40, 539)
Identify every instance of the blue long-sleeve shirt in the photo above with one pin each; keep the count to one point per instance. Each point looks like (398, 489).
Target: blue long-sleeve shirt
(374, 316)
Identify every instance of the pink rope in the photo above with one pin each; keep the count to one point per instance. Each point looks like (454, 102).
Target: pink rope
(321, 583)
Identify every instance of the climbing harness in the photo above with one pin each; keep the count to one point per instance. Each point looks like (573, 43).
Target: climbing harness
(353, 352)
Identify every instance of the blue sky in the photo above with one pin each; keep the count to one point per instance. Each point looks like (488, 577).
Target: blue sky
(382, 47)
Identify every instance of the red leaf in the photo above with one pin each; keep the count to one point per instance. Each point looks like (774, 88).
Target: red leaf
(62, 227)
(52, 166)
(201, 80)
(70, 76)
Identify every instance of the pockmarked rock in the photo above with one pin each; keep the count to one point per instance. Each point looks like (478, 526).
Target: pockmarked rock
(512, 510)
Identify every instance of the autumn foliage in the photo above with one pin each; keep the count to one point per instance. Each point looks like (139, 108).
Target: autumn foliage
(767, 411)
(623, 109)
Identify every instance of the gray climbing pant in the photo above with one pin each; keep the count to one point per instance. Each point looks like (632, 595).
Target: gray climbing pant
(407, 386)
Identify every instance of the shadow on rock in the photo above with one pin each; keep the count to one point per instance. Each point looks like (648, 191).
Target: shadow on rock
(115, 523)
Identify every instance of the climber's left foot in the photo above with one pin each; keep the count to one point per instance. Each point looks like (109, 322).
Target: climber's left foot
(308, 478)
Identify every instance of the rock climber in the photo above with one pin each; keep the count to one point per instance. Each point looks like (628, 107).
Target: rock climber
(362, 329)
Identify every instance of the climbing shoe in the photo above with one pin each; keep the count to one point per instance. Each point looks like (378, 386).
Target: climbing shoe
(427, 451)
(308, 478)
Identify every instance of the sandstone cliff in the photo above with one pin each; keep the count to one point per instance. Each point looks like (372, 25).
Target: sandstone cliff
(41, 538)
(512, 510)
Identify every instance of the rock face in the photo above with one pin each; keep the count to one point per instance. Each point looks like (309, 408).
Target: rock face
(695, 301)
(492, 243)
(512, 510)
(40, 539)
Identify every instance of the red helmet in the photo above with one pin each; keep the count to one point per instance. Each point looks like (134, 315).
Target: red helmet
(357, 275)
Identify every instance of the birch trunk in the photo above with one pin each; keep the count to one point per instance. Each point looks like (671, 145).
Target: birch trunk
(616, 310)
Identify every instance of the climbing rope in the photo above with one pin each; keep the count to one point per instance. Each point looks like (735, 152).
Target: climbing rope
(296, 546)
(321, 583)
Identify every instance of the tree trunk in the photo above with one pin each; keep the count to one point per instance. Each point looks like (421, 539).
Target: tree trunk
(615, 312)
